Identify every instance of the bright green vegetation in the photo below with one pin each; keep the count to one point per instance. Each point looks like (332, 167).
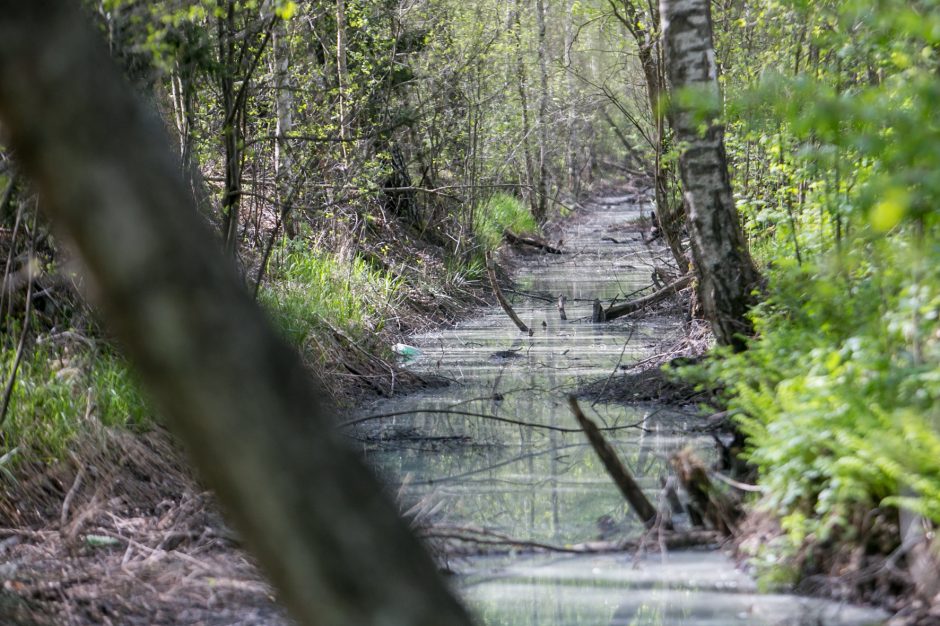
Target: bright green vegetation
(60, 393)
(500, 212)
(835, 150)
(313, 292)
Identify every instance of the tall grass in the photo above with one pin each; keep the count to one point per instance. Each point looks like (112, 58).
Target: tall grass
(312, 290)
(500, 212)
(60, 392)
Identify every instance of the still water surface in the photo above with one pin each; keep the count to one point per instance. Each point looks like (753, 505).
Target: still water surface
(547, 486)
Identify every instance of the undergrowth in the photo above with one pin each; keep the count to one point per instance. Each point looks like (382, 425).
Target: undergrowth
(312, 291)
(61, 390)
(840, 394)
(501, 212)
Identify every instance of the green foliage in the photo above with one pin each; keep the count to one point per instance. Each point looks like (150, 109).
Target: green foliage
(840, 396)
(58, 394)
(312, 291)
(500, 212)
(837, 173)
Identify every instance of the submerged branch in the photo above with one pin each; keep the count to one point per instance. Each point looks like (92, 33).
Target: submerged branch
(618, 472)
(495, 418)
(503, 302)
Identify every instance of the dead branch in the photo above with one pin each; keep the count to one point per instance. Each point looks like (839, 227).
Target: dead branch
(619, 310)
(670, 540)
(495, 418)
(513, 238)
(709, 502)
(491, 272)
(620, 474)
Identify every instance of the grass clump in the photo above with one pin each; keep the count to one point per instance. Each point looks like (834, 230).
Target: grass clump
(500, 212)
(59, 393)
(312, 290)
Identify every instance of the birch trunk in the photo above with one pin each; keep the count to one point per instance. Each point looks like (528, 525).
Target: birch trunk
(727, 276)
(542, 121)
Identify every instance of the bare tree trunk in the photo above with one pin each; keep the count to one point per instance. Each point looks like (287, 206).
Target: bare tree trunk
(284, 111)
(668, 214)
(522, 86)
(342, 76)
(727, 276)
(542, 121)
(230, 387)
(231, 135)
(572, 147)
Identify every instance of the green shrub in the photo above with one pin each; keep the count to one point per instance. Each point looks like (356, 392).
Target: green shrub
(840, 395)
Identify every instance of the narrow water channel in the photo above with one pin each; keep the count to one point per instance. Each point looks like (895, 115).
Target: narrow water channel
(466, 474)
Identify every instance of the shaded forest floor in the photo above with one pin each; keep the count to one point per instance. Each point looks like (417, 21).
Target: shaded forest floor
(120, 533)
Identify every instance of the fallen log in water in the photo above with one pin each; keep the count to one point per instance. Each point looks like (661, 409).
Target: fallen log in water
(513, 238)
(618, 472)
(503, 302)
(619, 310)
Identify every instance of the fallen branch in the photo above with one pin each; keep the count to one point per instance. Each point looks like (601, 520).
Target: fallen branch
(621, 475)
(491, 540)
(559, 429)
(619, 310)
(491, 272)
(513, 238)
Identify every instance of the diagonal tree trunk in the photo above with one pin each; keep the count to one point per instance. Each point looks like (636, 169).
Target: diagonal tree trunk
(727, 276)
(230, 387)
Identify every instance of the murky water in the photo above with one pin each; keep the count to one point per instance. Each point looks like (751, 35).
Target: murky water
(498, 480)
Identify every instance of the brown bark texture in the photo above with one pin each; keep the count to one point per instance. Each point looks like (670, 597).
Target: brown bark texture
(727, 276)
(231, 389)
(669, 216)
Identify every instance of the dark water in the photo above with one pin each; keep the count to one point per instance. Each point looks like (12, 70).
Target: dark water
(530, 484)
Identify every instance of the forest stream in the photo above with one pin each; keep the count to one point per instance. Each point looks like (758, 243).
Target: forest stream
(467, 476)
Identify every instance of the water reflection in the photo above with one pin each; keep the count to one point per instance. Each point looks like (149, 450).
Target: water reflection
(546, 485)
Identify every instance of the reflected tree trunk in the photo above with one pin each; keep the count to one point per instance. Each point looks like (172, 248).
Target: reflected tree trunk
(231, 389)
